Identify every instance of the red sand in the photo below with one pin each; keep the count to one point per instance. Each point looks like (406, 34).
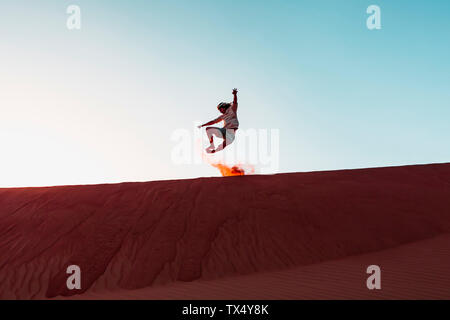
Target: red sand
(241, 233)
(413, 271)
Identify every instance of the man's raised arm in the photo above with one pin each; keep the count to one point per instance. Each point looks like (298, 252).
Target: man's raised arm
(235, 103)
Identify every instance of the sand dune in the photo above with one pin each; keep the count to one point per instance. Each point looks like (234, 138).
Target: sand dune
(145, 239)
(417, 270)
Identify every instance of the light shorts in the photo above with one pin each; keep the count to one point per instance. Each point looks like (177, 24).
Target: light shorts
(229, 134)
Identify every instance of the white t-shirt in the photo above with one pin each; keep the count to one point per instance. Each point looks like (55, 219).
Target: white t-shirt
(230, 119)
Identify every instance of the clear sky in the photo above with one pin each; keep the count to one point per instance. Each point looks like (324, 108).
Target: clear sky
(100, 104)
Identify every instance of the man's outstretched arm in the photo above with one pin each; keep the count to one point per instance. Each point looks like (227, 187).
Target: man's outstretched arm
(211, 122)
(235, 103)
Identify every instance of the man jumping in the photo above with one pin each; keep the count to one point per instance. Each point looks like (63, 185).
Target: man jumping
(231, 124)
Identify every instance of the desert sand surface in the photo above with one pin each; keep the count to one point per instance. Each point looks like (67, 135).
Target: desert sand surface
(413, 271)
(286, 236)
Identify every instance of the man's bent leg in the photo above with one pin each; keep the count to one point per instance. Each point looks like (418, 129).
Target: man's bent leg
(211, 132)
(229, 138)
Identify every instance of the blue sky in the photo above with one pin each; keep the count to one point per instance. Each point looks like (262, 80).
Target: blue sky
(100, 104)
